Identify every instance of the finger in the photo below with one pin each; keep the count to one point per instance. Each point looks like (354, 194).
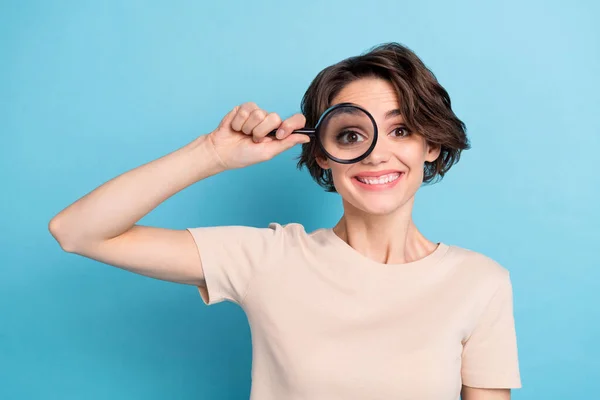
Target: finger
(271, 122)
(242, 115)
(256, 117)
(294, 122)
(226, 121)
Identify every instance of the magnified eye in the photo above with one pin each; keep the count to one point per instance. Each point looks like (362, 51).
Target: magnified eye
(348, 136)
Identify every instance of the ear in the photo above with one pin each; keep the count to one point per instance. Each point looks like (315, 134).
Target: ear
(323, 162)
(433, 152)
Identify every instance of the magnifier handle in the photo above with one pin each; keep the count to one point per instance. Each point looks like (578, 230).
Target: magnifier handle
(305, 131)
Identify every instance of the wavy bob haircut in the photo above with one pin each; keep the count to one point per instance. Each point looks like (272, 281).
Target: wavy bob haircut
(424, 104)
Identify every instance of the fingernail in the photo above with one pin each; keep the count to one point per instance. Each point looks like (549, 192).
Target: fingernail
(279, 133)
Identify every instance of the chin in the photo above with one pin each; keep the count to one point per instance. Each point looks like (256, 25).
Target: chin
(382, 210)
(376, 207)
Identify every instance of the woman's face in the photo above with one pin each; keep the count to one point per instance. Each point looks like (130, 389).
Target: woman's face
(390, 176)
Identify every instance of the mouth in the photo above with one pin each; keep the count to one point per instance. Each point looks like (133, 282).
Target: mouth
(379, 179)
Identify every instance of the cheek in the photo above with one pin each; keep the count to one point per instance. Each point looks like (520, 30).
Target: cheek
(341, 179)
(338, 172)
(412, 154)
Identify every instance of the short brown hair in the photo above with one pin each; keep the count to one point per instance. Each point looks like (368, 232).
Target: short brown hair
(424, 103)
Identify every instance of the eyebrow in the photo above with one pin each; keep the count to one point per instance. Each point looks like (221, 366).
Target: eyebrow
(393, 113)
(348, 110)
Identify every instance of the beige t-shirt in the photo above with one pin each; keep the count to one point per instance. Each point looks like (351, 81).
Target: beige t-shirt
(328, 323)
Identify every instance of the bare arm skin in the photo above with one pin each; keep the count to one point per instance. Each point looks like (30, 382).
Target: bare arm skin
(470, 393)
(102, 224)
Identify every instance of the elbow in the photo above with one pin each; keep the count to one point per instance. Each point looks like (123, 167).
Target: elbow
(54, 227)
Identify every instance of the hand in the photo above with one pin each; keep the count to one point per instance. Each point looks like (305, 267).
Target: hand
(241, 138)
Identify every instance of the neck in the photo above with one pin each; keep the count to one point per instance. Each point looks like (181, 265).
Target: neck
(389, 239)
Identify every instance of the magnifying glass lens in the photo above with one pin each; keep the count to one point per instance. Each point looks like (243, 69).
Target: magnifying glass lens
(346, 132)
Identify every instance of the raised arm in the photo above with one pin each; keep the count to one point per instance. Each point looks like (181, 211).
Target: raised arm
(102, 224)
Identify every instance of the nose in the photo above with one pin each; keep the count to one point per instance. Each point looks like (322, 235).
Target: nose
(381, 153)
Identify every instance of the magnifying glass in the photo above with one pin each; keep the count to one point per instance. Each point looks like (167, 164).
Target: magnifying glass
(345, 132)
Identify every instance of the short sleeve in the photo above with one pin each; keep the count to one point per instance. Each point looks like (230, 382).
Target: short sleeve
(232, 255)
(490, 355)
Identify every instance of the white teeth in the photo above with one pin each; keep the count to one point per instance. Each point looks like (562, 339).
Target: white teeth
(379, 180)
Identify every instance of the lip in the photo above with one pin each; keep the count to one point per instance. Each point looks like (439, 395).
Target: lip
(375, 174)
(378, 187)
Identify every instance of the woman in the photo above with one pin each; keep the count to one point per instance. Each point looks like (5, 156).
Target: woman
(368, 309)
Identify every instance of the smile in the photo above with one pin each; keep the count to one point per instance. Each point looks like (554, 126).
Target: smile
(380, 180)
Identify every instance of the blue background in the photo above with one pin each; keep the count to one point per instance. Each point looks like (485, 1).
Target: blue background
(89, 90)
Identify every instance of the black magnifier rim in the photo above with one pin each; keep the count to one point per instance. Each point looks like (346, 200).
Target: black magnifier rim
(339, 160)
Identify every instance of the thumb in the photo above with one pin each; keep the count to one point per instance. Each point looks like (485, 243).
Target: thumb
(226, 121)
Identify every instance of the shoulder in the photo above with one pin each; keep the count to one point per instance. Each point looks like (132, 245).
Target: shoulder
(478, 268)
(290, 228)
(273, 234)
(294, 240)
(295, 232)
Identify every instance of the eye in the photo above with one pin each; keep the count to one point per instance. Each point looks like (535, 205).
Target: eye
(349, 137)
(401, 131)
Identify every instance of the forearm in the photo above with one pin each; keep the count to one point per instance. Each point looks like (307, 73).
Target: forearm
(114, 207)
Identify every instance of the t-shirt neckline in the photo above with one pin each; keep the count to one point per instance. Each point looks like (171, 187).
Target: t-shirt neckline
(350, 253)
